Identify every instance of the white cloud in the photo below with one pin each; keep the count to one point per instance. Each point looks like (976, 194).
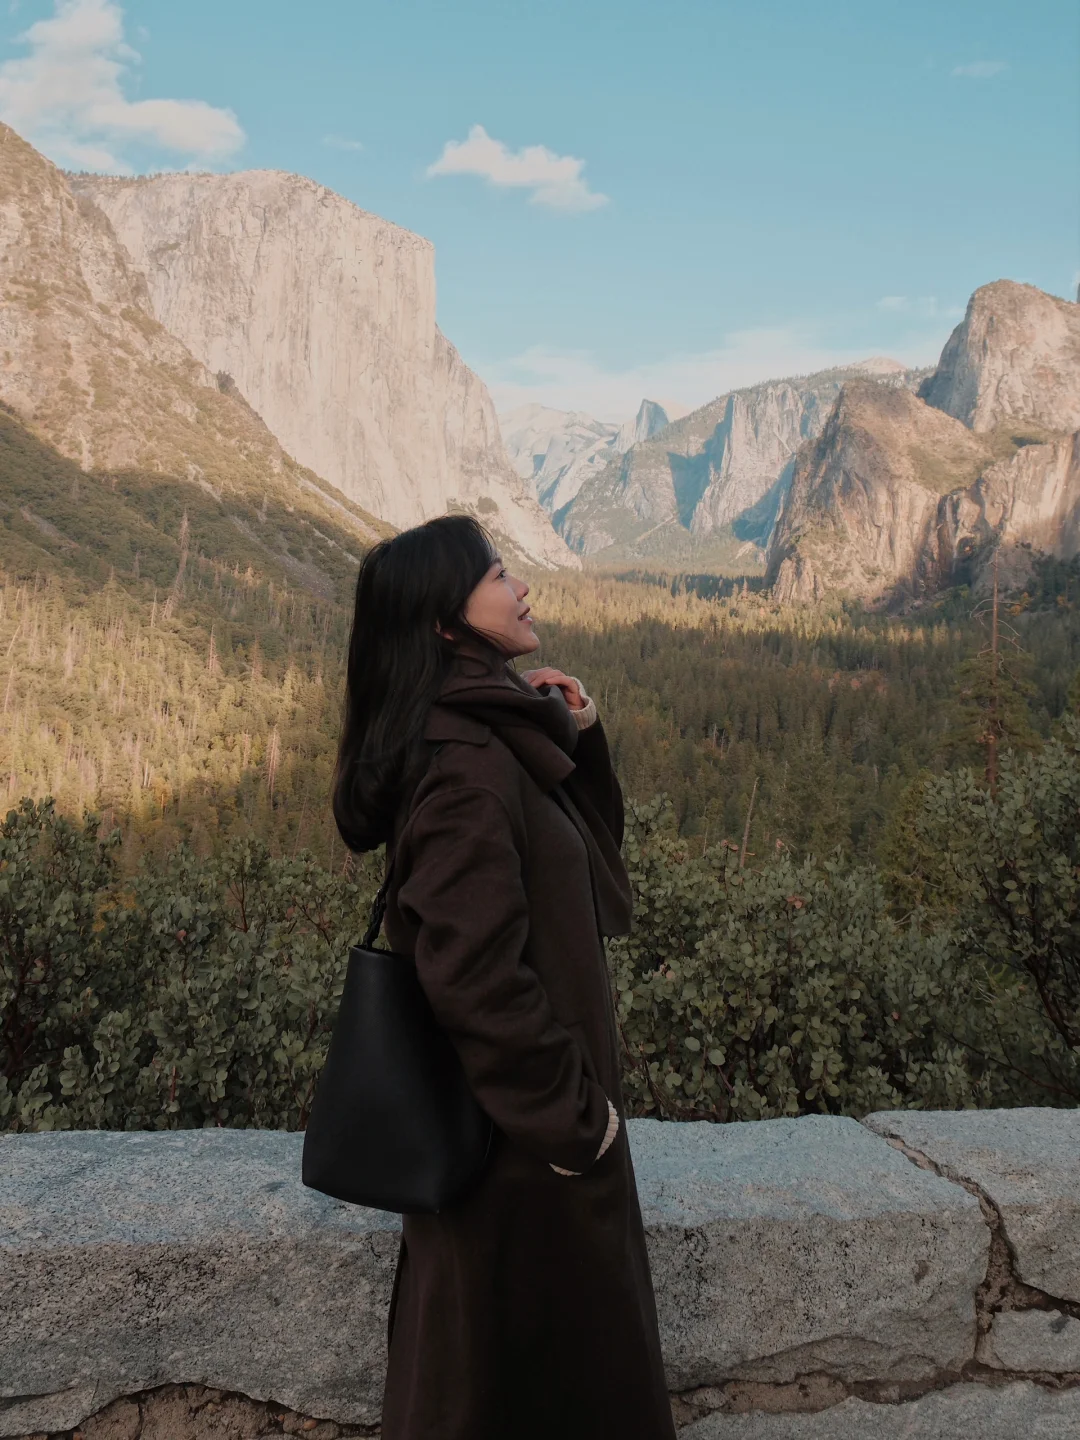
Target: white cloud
(681, 382)
(923, 306)
(904, 304)
(555, 180)
(66, 96)
(339, 142)
(980, 69)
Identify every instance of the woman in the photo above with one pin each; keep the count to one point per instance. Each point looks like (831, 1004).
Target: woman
(525, 1310)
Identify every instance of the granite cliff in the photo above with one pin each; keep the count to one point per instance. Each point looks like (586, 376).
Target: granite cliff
(323, 318)
(1014, 357)
(709, 486)
(901, 496)
(556, 451)
(86, 367)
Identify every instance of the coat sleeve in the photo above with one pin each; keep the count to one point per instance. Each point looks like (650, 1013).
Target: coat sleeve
(596, 776)
(465, 896)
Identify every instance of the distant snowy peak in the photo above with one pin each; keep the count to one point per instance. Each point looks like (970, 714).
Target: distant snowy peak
(556, 451)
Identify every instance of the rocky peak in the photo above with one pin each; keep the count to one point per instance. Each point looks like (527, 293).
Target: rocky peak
(558, 450)
(860, 513)
(708, 486)
(903, 494)
(1014, 358)
(650, 418)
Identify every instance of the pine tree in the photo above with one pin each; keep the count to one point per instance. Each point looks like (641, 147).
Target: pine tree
(990, 712)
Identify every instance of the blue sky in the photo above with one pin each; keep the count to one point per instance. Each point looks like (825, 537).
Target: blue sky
(661, 199)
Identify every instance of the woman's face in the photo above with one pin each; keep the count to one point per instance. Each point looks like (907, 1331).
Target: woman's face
(497, 609)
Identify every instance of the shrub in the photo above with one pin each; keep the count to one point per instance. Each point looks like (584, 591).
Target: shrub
(1007, 881)
(745, 994)
(201, 993)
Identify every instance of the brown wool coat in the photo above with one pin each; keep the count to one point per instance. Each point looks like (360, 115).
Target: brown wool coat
(527, 1309)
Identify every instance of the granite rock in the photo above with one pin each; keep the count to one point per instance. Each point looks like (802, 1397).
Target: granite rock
(1044, 1340)
(129, 1261)
(715, 476)
(323, 316)
(962, 1412)
(1026, 1163)
(785, 1247)
(1014, 359)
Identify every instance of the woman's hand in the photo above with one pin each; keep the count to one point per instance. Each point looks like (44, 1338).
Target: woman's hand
(570, 688)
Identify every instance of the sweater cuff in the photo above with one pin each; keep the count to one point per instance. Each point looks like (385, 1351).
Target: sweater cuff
(584, 717)
(609, 1136)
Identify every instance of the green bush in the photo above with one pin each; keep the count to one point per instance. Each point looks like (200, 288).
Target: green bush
(201, 992)
(1006, 881)
(198, 994)
(744, 994)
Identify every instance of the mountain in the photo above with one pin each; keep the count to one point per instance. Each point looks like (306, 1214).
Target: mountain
(90, 371)
(709, 486)
(903, 495)
(558, 450)
(863, 502)
(1015, 357)
(323, 319)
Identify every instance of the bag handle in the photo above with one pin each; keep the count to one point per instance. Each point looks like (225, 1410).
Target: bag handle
(378, 905)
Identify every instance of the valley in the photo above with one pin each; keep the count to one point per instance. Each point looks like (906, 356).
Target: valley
(218, 390)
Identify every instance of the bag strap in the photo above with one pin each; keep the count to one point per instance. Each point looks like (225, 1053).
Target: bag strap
(378, 905)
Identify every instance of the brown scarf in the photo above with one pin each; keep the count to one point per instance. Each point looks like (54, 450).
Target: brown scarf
(537, 727)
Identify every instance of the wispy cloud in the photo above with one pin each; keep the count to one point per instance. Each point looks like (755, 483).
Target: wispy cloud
(67, 96)
(980, 69)
(555, 180)
(924, 306)
(339, 142)
(575, 380)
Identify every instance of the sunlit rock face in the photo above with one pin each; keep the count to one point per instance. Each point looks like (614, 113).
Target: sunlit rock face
(1014, 357)
(860, 515)
(89, 370)
(904, 494)
(557, 451)
(719, 473)
(324, 318)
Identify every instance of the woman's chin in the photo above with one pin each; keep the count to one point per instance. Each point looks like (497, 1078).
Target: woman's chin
(522, 645)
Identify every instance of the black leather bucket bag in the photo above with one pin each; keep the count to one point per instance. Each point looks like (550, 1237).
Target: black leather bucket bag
(394, 1124)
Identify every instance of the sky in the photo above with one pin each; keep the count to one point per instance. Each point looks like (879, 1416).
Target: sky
(626, 199)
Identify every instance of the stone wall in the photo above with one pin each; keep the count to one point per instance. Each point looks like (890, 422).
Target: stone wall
(916, 1275)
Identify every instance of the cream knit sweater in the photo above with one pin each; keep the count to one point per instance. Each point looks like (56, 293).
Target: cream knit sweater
(584, 719)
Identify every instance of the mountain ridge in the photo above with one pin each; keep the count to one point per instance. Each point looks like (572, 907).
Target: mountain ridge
(711, 481)
(556, 451)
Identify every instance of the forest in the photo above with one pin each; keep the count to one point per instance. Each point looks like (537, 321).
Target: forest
(810, 783)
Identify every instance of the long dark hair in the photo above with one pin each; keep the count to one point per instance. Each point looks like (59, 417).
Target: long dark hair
(398, 662)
